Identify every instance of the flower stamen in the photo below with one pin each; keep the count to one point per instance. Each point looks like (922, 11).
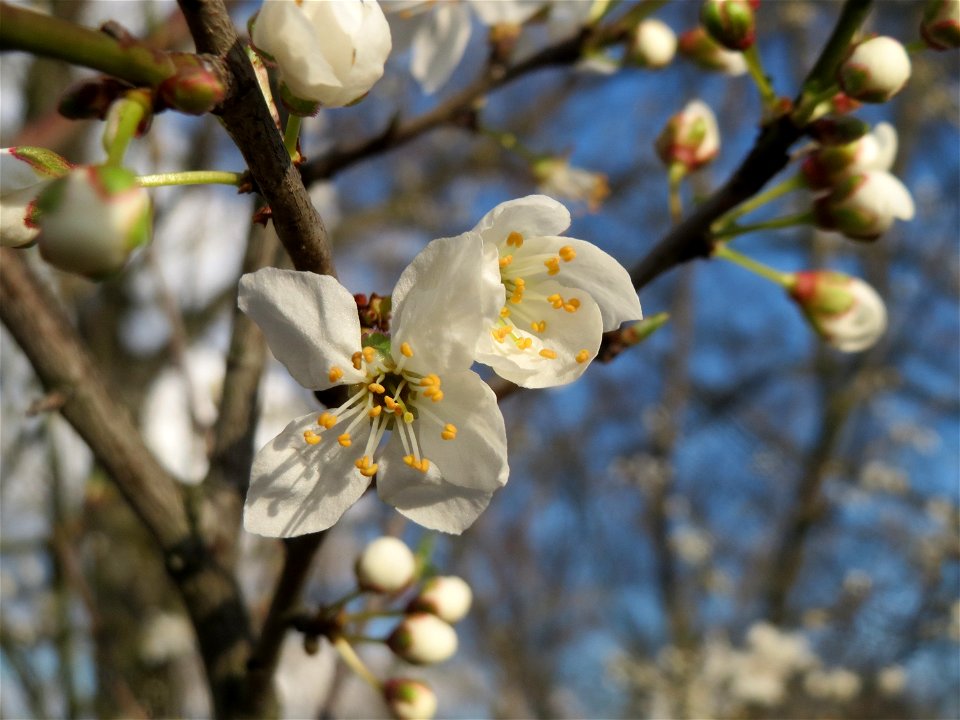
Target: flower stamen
(515, 239)
(335, 373)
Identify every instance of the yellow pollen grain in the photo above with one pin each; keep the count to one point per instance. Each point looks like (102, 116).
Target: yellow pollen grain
(515, 239)
(538, 326)
(327, 420)
(356, 359)
(311, 437)
(504, 311)
(437, 396)
(424, 465)
(408, 417)
(389, 402)
(408, 459)
(549, 354)
(567, 253)
(335, 374)
(375, 411)
(344, 440)
(406, 350)
(376, 388)
(449, 431)
(524, 343)
(553, 265)
(582, 356)
(505, 260)
(572, 305)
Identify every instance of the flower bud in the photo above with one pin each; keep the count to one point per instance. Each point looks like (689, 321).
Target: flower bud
(653, 44)
(845, 311)
(690, 138)
(24, 173)
(195, 88)
(423, 639)
(828, 164)
(92, 219)
(837, 129)
(559, 179)
(386, 565)
(875, 71)
(327, 52)
(864, 205)
(730, 22)
(940, 26)
(409, 699)
(446, 596)
(698, 46)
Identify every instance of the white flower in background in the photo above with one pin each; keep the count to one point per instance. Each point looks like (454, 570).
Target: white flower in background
(838, 684)
(410, 699)
(653, 44)
(386, 565)
(708, 54)
(690, 138)
(558, 178)
(561, 294)
(892, 680)
(423, 639)
(329, 52)
(875, 71)
(24, 173)
(864, 205)
(447, 596)
(92, 219)
(165, 637)
(845, 311)
(447, 451)
(827, 164)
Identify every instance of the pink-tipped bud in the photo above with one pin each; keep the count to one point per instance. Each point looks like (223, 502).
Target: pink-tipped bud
(690, 138)
(707, 53)
(410, 699)
(875, 70)
(386, 565)
(446, 596)
(845, 311)
(92, 219)
(652, 44)
(24, 173)
(423, 639)
(730, 22)
(864, 205)
(829, 163)
(940, 27)
(196, 88)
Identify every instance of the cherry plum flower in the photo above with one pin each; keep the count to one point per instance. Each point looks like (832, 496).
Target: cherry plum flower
(561, 294)
(447, 450)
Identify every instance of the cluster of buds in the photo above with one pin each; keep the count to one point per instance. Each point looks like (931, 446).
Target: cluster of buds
(730, 23)
(874, 70)
(845, 311)
(697, 45)
(690, 138)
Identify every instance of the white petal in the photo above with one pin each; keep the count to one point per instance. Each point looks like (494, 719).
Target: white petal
(426, 498)
(296, 488)
(438, 45)
(15, 230)
(567, 334)
(530, 216)
(595, 272)
(285, 32)
(885, 138)
(438, 305)
(898, 199)
(310, 322)
(477, 457)
(508, 12)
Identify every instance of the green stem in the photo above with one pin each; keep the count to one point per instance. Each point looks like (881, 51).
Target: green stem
(508, 141)
(803, 218)
(760, 79)
(48, 36)
(678, 171)
(192, 177)
(796, 182)
(916, 47)
(122, 127)
(353, 661)
(361, 617)
(785, 280)
(291, 134)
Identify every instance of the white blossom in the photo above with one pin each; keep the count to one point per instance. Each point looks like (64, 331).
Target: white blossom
(825, 165)
(864, 205)
(845, 311)
(446, 453)
(875, 71)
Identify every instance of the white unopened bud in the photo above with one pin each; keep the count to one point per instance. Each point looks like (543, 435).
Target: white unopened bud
(875, 71)
(828, 164)
(708, 54)
(446, 596)
(653, 44)
(328, 52)
(845, 311)
(24, 173)
(691, 137)
(423, 639)
(386, 565)
(864, 205)
(92, 219)
(410, 699)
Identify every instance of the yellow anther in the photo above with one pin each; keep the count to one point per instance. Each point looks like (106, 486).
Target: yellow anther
(582, 356)
(375, 411)
(366, 466)
(515, 239)
(409, 460)
(356, 359)
(437, 396)
(504, 311)
(406, 350)
(431, 379)
(505, 260)
(327, 420)
(520, 283)
(549, 354)
(500, 333)
(344, 440)
(335, 374)
(424, 465)
(449, 431)
(408, 417)
(538, 327)
(517, 297)
(369, 354)
(555, 300)
(572, 305)
(370, 470)
(524, 343)
(311, 437)
(389, 402)
(553, 265)
(376, 388)
(567, 253)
